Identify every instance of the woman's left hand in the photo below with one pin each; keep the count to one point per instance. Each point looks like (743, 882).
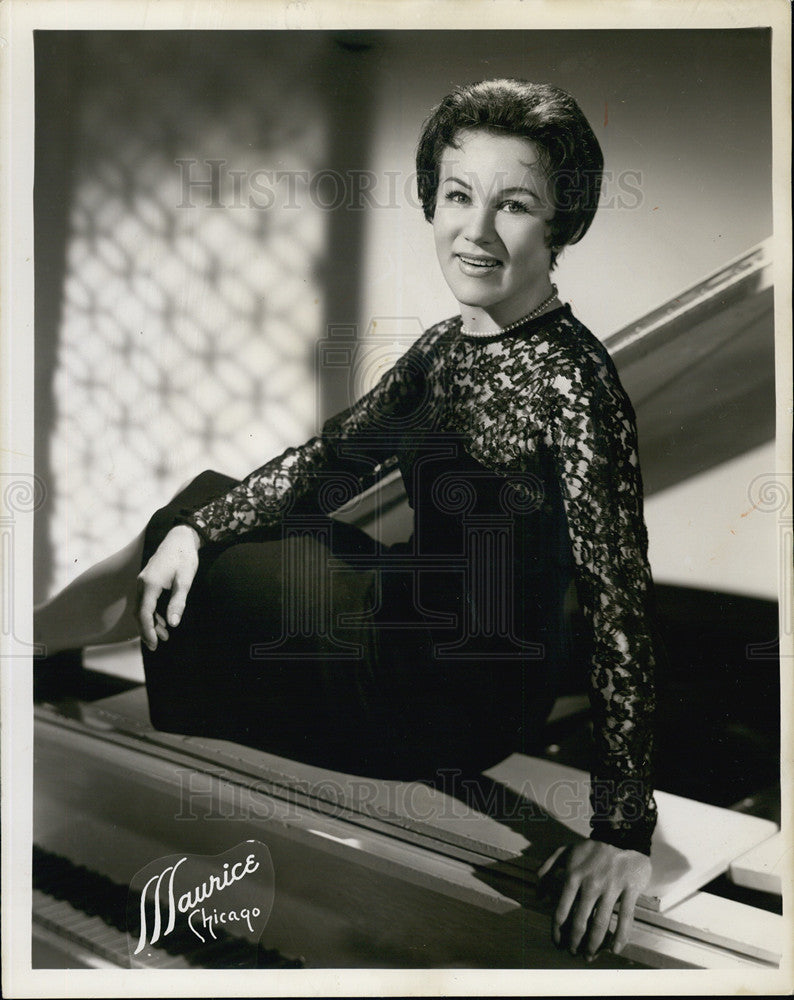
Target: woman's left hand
(594, 876)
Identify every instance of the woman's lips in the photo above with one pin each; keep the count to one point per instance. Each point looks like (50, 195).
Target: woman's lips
(477, 266)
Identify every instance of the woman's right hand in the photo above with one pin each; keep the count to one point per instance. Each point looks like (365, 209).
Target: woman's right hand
(172, 567)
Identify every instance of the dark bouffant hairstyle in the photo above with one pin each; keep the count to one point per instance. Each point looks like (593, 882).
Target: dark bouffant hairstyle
(550, 117)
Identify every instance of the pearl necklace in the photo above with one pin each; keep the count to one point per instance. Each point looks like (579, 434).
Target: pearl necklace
(511, 326)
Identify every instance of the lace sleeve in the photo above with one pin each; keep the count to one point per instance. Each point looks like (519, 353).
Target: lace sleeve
(353, 449)
(593, 439)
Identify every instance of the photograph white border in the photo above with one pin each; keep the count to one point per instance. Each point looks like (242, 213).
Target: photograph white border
(18, 20)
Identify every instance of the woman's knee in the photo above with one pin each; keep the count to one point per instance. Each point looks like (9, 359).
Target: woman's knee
(194, 494)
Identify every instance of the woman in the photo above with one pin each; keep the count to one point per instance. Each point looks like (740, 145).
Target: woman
(268, 622)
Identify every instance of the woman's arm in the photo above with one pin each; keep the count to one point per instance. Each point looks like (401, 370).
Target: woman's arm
(594, 443)
(592, 437)
(345, 457)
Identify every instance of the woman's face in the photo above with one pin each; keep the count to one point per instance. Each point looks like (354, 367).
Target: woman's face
(490, 226)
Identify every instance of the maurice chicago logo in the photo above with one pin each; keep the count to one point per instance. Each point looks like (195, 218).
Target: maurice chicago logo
(209, 896)
(188, 901)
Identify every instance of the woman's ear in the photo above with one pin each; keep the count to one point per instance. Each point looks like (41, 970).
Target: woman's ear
(549, 240)
(554, 247)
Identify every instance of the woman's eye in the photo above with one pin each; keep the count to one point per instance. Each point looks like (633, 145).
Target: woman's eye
(457, 196)
(515, 206)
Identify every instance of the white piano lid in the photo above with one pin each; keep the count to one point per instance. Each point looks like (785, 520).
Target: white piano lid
(762, 866)
(693, 842)
(700, 371)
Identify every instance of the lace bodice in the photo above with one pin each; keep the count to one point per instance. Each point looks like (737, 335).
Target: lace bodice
(540, 406)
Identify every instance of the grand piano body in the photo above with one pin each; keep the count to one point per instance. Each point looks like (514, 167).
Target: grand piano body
(374, 873)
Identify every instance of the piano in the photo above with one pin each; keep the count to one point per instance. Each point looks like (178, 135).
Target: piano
(368, 873)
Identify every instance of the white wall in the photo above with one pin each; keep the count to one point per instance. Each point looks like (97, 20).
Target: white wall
(706, 532)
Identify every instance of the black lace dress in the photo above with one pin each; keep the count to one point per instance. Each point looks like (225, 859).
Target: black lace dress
(304, 637)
